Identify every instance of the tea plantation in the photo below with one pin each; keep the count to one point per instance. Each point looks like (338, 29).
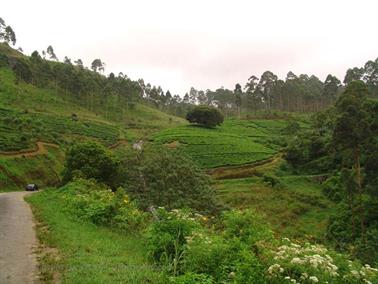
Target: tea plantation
(235, 142)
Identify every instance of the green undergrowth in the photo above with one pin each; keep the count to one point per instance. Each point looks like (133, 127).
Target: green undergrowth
(87, 253)
(295, 206)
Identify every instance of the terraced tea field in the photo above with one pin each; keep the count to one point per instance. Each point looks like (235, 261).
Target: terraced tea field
(235, 142)
(20, 130)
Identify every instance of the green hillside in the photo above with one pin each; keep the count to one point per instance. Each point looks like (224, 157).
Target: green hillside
(32, 112)
(235, 142)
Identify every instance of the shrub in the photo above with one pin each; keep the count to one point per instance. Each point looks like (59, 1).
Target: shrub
(223, 259)
(90, 160)
(308, 263)
(179, 183)
(90, 201)
(206, 116)
(168, 234)
(292, 127)
(247, 226)
(272, 180)
(192, 278)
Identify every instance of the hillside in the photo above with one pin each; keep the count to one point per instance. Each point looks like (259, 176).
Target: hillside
(30, 113)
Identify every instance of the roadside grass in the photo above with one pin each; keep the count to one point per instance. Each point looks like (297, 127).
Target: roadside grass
(235, 142)
(87, 253)
(296, 210)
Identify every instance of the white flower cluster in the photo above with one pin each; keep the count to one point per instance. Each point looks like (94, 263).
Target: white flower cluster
(198, 237)
(364, 274)
(292, 259)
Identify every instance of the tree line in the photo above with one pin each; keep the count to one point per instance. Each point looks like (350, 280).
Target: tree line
(113, 95)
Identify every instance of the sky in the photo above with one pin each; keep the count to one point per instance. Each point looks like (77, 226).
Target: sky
(206, 44)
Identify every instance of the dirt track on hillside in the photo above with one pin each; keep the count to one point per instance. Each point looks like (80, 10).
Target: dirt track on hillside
(18, 262)
(245, 170)
(41, 150)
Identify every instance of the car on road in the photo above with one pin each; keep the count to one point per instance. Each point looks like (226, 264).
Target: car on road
(31, 187)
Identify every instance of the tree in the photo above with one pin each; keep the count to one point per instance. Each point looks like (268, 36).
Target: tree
(2, 28)
(6, 33)
(67, 60)
(352, 130)
(331, 87)
(353, 74)
(90, 160)
(79, 63)
(179, 184)
(266, 87)
(206, 116)
(9, 35)
(98, 65)
(371, 76)
(253, 101)
(51, 53)
(238, 97)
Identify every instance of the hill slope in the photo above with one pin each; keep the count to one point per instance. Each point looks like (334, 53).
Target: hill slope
(30, 113)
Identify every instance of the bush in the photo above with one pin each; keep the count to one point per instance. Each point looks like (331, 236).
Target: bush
(179, 183)
(167, 235)
(307, 263)
(90, 160)
(247, 226)
(192, 278)
(272, 180)
(225, 260)
(90, 201)
(333, 188)
(206, 116)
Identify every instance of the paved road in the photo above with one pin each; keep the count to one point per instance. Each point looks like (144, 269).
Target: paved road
(18, 263)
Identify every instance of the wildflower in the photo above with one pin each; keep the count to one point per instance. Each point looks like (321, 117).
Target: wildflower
(355, 273)
(296, 260)
(313, 279)
(231, 274)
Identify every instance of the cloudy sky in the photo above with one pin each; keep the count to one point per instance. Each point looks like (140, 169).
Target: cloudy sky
(202, 43)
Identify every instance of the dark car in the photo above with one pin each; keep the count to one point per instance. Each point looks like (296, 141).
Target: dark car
(31, 187)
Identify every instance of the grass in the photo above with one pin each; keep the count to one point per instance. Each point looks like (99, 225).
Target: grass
(235, 142)
(297, 210)
(87, 253)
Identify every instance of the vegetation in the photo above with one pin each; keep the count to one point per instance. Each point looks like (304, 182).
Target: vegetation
(90, 160)
(86, 253)
(179, 184)
(343, 143)
(203, 203)
(233, 143)
(184, 247)
(206, 116)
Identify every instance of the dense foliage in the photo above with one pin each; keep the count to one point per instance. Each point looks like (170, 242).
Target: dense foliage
(90, 201)
(163, 177)
(90, 160)
(343, 145)
(204, 115)
(243, 251)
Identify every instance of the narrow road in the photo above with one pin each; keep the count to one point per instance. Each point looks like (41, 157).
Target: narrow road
(18, 263)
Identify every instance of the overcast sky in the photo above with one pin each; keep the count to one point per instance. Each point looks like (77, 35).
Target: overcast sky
(206, 44)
